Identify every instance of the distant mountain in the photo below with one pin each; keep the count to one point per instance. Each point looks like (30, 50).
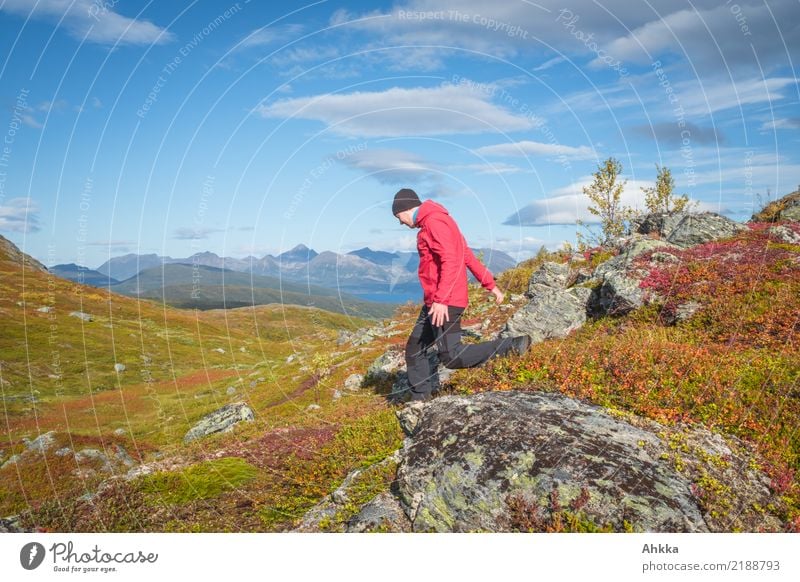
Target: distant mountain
(126, 266)
(203, 287)
(83, 275)
(299, 254)
(378, 257)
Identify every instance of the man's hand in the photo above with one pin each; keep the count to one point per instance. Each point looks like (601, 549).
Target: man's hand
(438, 314)
(498, 295)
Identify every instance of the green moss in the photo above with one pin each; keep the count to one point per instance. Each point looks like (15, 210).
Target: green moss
(202, 481)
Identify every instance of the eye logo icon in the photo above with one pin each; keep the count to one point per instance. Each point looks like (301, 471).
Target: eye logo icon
(31, 556)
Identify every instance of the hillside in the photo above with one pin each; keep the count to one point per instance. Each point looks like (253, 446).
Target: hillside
(676, 349)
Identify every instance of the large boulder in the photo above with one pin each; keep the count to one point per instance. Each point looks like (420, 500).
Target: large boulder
(551, 313)
(696, 229)
(619, 290)
(222, 420)
(502, 461)
(553, 310)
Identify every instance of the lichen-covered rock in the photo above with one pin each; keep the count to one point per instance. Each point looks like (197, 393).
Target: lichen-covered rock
(695, 229)
(552, 275)
(383, 514)
(619, 290)
(353, 382)
(81, 315)
(222, 420)
(660, 223)
(551, 313)
(785, 234)
(469, 457)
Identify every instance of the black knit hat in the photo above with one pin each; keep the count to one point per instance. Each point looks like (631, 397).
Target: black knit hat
(405, 199)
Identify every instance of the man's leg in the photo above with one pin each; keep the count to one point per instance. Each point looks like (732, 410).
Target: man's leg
(453, 354)
(417, 361)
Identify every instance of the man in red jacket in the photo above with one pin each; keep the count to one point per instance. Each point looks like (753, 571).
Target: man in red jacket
(444, 258)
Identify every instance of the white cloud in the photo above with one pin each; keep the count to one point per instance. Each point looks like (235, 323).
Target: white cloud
(781, 123)
(535, 148)
(444, 110)
(93, 20)
(568, 204)
(19, 215)
(188, 233)
(271, 35)
(392, 166)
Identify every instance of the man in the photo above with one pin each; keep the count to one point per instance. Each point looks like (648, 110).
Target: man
(444, 258)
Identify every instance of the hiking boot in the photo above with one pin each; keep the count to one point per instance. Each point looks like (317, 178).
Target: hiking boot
(520, 344)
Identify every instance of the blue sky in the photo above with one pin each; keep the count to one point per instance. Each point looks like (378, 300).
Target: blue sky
(247, 128)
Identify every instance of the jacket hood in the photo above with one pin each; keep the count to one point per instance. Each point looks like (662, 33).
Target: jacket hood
(429, 208)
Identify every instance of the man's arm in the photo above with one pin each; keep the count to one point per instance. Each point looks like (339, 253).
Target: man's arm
(482, 274)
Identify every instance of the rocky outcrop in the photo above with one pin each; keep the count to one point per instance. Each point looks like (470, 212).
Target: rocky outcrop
(553, 310)
(503, 461)
(785, 234)
(619, 290)
(222, 420)
(695, 229)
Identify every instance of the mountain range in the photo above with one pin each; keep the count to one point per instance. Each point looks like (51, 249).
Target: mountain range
(367, 273)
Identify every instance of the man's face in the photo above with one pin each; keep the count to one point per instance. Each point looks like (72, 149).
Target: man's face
(406, 217)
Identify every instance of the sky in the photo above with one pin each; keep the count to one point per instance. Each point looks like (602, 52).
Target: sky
(246, 128)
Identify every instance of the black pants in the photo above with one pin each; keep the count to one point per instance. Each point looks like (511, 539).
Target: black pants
(452, 353)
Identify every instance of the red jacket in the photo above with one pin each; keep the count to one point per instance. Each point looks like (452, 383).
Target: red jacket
(444, 258)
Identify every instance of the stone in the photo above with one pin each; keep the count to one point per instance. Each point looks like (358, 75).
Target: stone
(469, 456)
(695, 229)
(337, 394)
(552, 275)
(353, 382)
(120, 432)
(231, 390)
(45, 309)
(119, 368)
(383, 514)
(222, 420)
(552, 313)
(784, 234)
(41, 443)
(660, 223)
(219, 350)
(81, 315)
(313, 407)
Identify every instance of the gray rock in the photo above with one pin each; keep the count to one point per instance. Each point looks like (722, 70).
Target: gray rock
(231, 390)
(619, 290)
(95, 455)
(387, 364)
(552, 313)
(119, 367)
(661, 223)
(353, 382)
(785, 234)
(41, 443)
(337, 394)
(552, 275)
(222, 420)
(219, 350)
(695, 229)
(470, 456)
(686, 310)
(792, 211)
(122, 456)
(409, 417)
(12, 460)
(63, 452)
(120, 432)
(81, 315)
(383, 514)
(45, 309)
(313, 407)
(11, 524)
